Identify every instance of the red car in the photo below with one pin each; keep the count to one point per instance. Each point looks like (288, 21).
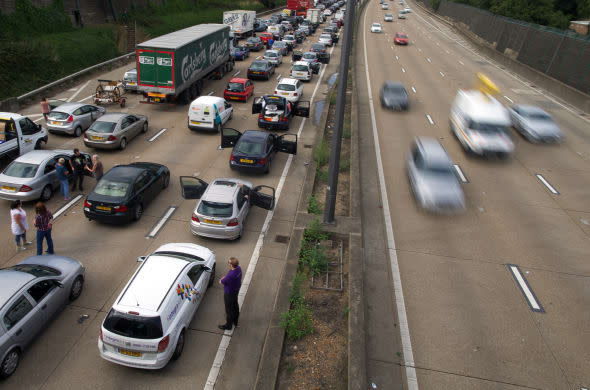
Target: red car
(238, 89)
(400, 39)
(264, 37)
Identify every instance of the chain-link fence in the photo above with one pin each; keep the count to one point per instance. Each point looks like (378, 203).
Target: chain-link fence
(561, 54)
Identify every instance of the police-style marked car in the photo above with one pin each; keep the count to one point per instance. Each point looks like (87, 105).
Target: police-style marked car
(147, 324)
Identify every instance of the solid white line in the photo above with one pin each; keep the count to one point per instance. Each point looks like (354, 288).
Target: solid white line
(78, 91)
(428, 59)
(86, 98)
(224, 343)
(525, 288)
(159, 133)
(460, 173)
(551, 188)
(507, 98)
(413, 89)
(403, 70)
(279, 77)
(429, 119)
(162, 221)
(237, 73)
(210, 93)
(400, 304)
(33, 115)
(67, 206)
(442, 74)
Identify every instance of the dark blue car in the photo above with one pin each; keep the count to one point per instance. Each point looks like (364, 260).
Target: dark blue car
(241, 52)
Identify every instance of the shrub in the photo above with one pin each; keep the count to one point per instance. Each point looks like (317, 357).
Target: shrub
(314, 206)
(297, 322)
(344, 164)
(321, 153)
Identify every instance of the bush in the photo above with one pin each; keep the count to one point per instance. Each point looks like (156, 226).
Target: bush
(344, 165)
(297, 322)
(321, 153)
(314, 206)
(28, 20)
(322, 175)
(296, 291)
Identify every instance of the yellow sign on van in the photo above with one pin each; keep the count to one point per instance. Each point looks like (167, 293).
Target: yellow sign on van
(485, 85)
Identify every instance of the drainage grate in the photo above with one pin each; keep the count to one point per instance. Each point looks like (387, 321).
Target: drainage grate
(307, 146)
(282, 239)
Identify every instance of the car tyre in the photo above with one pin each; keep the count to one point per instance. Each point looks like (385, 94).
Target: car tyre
(10, 363)
(144, 129)
(166, 181)
(38, 145)
(123, 143)
(138, 212)
(77, 131)
(46, 193)
(77, 287)
(179, 346)
(267, 169)
(212, 277)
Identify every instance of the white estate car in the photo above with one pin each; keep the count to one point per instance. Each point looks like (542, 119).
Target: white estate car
(388, 17)
(291, 89)
(301, 70)
(326, 39)
(376, 28)
(147, 324)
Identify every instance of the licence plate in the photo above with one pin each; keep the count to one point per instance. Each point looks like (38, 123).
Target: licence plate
(285, 93)
(7, 188)
(131, 83)
(212, 221)
(234, 97)
(256, 72)
(245, 160)
(195, 123)
(156, 99)
(103, 208)
(96, 138)
(55, 123)
(129, 353)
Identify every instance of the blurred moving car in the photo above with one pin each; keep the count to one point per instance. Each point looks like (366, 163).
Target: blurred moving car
(394, 96)
(130, 80)
(535, 124)
(376, 28)
(384, 6)
(122, 194)
(73, 118)
(432, 177)
(400, 39)
(238, 89)
(114, 130)
(33, 292)
(290, 88)
(401, 15)
(260, 69)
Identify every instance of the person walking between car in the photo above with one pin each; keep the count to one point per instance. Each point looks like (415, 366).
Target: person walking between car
(77, 163)
(62, 176)
(97, 169)
(19, 225)
(43, 223)
(45, 108)
(270, 43)
(231, 282)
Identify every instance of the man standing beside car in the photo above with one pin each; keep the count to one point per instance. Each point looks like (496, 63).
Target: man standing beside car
(231, 282)
(77, 163)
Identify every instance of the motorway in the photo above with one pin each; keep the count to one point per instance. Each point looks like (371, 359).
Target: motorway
(469, 323)
(65, 355)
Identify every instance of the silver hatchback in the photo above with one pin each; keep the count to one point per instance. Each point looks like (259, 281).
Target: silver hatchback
(115, 130)
(73, 118)
(32, 293)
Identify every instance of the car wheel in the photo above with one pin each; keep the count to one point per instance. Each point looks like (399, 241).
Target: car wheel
(123, 144)
(179, 346)
(77, 131)
(138, 212)
(212, 277)
(77, 288)
(144, 128)
(267, 169)
(10, 363)
(46, 193)
(38, 145)
(166, 181)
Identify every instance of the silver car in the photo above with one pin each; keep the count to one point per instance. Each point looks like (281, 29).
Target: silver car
(115, 130)
(432, 177)
(326, 39)
(73, 118)
(223, 205)
(535, 124)
(274, 57)
(32, 176)
(33, 291)
(130, 80)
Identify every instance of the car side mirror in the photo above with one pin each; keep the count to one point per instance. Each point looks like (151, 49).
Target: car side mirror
(59, 284)
(39, 126)
(141, 259)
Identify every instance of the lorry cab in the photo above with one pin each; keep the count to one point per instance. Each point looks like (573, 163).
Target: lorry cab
(209, 113)
(19, 134)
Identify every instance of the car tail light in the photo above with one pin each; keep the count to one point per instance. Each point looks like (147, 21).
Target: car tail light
(276, 92)
(163, 344)
(233, 222)
(232, 158)
(284, 119)
(87, 203)
(70, 119)
(262, 161)
(25, 188)
(100, 334)
(135, 313)
(295, 94)
(122, 208)
(309, 73)
(84, 135)
(260, 116)
(112, 138)
(194, 218)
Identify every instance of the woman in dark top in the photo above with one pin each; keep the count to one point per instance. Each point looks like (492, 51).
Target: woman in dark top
(43, 223)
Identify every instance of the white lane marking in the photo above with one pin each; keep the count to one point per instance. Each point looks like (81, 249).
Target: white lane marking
(429, 119)
(396, 57)
(461, 63)
(237, 73)
(37, 120)
(159, 133)
(65, 207)
(428, 59)
(420, 50)
(448, 52)
(86, 98)
(403, 70)
(400, 305)
(224, 343)
(460, 173)
(210, 93)
(78, 91)
(258, 57)
(507, 98)
(544, 181)
(413, 89)
(279, 77)
(442, 74)
(161, 222)
(524, 287)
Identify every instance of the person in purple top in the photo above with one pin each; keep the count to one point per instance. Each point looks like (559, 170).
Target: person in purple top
(231, 282)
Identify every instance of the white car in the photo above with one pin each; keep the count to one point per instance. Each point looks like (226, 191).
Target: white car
(384, 6)
(376, 28)
(301, 70)
(291, 89)
(326, 39)
(209, 113)
(327, 12)
(401, 15)
(388, 17)
(407, 10)
(274, 57)
(147, 325)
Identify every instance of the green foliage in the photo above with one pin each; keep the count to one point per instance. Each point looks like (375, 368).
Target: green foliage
(296, 291)
(297, 322)
(435, 4)
(322, 175)
(321, 153)
(28, 20)
(333, 97)
(311, 255)
(314, 232)
(314, 207)
(344, 165)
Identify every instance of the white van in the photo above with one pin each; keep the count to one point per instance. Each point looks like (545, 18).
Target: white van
(146, 326)
(20, 135)
(209, 113)
(481, 123)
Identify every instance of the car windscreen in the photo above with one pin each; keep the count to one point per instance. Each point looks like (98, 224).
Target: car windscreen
(286, 87)
(318, 47)
(130, 77)
(270, 54)
(280, 44)
(235, 87)
(115, 189)
(487, 128)
(539, 116)
(103, 127)
(289, 38)
(253, 40)
(214, 209)
(300, 68)
(258, 65)
(37, 270)
(133, 326)
(376, 25)
(394, 90)
(403, 36)
(326, 36)
(21, 170)
(60, 116)
(249, 148)
(309, 56)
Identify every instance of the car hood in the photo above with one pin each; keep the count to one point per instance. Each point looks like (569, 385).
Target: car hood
(543, 128)
(395, 100)
(440, 188)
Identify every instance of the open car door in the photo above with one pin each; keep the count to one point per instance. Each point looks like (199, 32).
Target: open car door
(287, 143)
(262, 199)
(229, 137)
(302, 109)
(192, 187)
(315, 67)
(257, 105)
(324, 58)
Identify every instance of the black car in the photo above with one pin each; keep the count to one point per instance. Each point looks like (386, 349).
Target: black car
(333, 31)
(254, 150)
(121, 195)
(255, 44)
(275, 112)
(300, 36)
(394, 96)
(261, 69)
(322, 52)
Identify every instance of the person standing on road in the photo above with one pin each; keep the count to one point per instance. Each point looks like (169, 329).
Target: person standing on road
(231, 282)
(62, 175)
(97, 169)
(43, 223)
(77, 163)
(19, 225)
(45, 107)
(270, 43)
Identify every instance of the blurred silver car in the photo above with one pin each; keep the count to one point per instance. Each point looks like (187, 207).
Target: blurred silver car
(73, 118)
(32, 176)
(432, 177)
(32, 293)
(535, 124)
(130, 80)
(274, 57)
(115, 130)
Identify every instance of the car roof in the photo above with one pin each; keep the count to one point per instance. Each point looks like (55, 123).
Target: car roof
(483, 107)
(237, 80)
(10, 115)
(222, 190)
(112, 117)
(125, 172)
(530, 109)
(301, 63)
(288, 80)
(255, 135)
(432, 151)
(271, 51)
(12, 281)
(38, 156)
(68, 107)
(207, 100)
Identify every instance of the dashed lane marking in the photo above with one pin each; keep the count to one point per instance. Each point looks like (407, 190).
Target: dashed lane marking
(525, 288)
(161, 222)
(459, 171)
(65, 207)
(159, 133)
(547, 184)
(429, 119)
